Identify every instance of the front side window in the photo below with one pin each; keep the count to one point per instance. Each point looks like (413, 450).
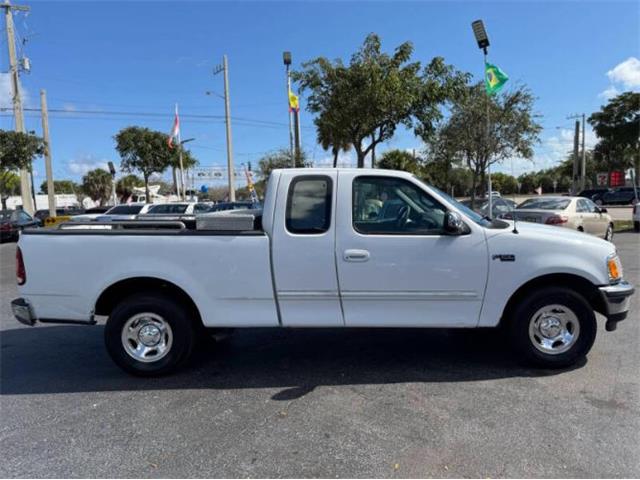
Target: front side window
(309, 205)
(387, 205)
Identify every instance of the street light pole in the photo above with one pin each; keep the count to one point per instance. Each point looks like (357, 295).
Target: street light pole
(483, 43)
(286, 58)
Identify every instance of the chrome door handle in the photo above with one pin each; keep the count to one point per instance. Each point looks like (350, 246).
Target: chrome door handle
(356, 255)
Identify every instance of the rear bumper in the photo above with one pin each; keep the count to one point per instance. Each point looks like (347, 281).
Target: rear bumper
(24, 313)
(616, 299)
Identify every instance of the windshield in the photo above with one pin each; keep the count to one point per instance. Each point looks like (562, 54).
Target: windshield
(545, 204)
(479, 219)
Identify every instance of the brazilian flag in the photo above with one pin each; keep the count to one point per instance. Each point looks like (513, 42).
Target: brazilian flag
(494, 78)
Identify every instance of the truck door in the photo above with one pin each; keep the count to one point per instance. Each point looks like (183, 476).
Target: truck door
(396, 265)
(303, 249)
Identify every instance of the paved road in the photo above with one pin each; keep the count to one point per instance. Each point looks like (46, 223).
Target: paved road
(324, 403)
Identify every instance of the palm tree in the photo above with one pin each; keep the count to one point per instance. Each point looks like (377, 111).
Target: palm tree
(96, 184)
(125, 186)
(331, 137)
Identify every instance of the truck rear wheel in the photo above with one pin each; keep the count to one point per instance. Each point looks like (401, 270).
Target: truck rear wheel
(149, 335)
(552, 328)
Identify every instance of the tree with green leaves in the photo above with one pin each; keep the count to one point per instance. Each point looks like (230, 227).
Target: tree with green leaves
(96, 184)
(400, 160)
(504, 183)
(19, 149)
(279, 159)
(363, 103)
(60, 186)
(511, 129)
(126, 184)
(331, 138)
(145, 151)
(9, 185)
(617, 126)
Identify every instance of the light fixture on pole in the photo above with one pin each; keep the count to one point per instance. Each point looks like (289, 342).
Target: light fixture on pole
(483, 43)
(286, 59)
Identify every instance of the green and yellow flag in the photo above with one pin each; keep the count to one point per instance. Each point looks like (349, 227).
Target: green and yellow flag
(494, 78)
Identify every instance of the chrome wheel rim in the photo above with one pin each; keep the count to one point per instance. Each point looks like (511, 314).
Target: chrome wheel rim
(554, 329)
(147, 337)
(609, 233)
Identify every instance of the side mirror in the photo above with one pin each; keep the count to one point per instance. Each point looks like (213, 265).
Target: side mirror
(453, 224)
(602, 210)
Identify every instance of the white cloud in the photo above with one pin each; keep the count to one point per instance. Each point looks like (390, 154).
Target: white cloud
(6, 92)
(345, 159)
(626, 73)
(609, 92)
(82, 164)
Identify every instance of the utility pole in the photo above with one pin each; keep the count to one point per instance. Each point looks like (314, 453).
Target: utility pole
(583, 172)
(224, 68)
(47, 153)
(576, 159)
(580, 161)
(25, 180)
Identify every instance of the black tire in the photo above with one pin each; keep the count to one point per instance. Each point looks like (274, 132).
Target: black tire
(636, 226)
(608, 236)
(182, 333)
(522, 316)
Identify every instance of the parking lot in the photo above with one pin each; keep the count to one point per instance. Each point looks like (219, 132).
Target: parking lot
(319, 403)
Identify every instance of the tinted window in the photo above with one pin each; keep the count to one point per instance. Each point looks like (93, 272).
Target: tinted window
(309, 205)
(201, 207)
(169, 208)
(125, 210)
(546, 203)
(386, 205)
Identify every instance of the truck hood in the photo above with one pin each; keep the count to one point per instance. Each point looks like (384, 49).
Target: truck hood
(528, 231)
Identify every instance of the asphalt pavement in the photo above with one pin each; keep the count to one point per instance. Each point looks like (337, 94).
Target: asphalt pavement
(319, 403)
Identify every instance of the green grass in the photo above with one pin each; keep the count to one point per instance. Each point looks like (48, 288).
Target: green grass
(622, 225)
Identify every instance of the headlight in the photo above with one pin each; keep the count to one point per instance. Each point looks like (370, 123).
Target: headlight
(614, 267)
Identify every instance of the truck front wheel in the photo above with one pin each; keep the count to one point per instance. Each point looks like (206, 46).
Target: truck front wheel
(552, 327)
(149, 335)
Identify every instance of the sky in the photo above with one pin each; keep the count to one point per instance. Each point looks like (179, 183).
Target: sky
(140, 58)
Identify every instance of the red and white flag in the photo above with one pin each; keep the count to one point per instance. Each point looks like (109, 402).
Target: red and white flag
(175, 130)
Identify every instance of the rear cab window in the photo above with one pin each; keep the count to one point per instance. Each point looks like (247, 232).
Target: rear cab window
(309, 205)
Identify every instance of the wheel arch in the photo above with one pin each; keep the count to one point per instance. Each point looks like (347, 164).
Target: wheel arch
(571, 281)
(121, 289)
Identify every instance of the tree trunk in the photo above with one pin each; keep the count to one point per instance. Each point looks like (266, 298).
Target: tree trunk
(4, 203)
(373, 152)
(175, 180)
(146, 188)
(335, 156)
(360, 155)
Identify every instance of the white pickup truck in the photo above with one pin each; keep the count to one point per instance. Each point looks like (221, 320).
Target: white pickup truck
(333, 248)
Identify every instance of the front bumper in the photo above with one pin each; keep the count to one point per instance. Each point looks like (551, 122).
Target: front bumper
(616, 300)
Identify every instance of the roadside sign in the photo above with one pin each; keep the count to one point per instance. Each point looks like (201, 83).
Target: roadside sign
(53, 221)
(602, 179)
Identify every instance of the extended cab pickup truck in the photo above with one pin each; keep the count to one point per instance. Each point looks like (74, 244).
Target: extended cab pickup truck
(332, 248)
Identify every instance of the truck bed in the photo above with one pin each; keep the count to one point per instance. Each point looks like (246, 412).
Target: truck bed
(226, 273)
